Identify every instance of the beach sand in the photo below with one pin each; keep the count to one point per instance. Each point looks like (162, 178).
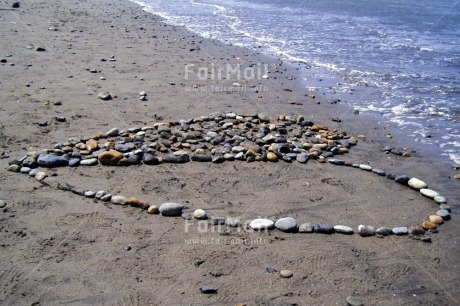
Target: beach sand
(59, 248)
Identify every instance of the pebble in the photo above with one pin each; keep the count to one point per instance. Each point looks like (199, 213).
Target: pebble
(112, 158)
(176, 159)
(40, 176)
(342, 229)
(201, 158)
(366, 230)
(354, 301)
(106, 96)
(74, 162)
(416, 231)
(417, 184)
(150, 159)
(14, 168)
(429, 193)
(118, 199)
(302, 158)
(335, 161)
(100, 194)
(90, 194)
(428, 225)
(443, 213)
(323, 229)
(2, 204)
(286, 273)
(52, 160)
(106, 197)
(440, 199)
(33, 172)
(233, 222)
(171, 209)
(378, 172)
(287, 224)
(365, 167)
(112, 133)
(208, 290)
(200, 214)
(153, 209)
(25, 170)
(89, 162)
(402, 179)
(306, 228)
(402, 230)
(261, 224)
(272, 157)
(445, 207)
(384, 231)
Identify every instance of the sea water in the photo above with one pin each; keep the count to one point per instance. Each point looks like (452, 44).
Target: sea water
(408, 51)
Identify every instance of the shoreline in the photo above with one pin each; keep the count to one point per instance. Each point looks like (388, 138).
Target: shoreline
(63, 248)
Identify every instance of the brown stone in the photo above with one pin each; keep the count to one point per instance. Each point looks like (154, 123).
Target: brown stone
(133, 202)
(429, 225)
(91, 145)
(457, 176)
(144, 205)
(436, 219)
(406, 154)
(153, 209)
(272, 157)
(112, 158)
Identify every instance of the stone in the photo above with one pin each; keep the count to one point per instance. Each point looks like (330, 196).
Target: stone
(171, 209)
(30, 161)
(302, 158)
(429, 193)
(335, 161)
(428, 225)
(286, 273)
(124, 147)
(287, 224)
(208, 290)
(384, 231)
(201, 158)
(445, 207)
(60, 118)
(40, 49)
(415, 231)
(440, 199)
(91, 145)
(176, 159)
(40, 176)
(106, 96)
(64, 186)
(200, 214)
(100, 194)
(402, 179)
(261, 224)
(218, 159)
(342, 229)
(417, 184)
(134, 202)
(378, 172)
(74, 162)
(399, 231)
(366, 230)
(52, 160)
(112, 133)
(106, 197)
(33, 172)
(119, 200)
(153, 209)
(354, 301)
(232, 222)
(14, 168)
(306, 228)
(112, 158)
(444, 214)
(365, 167)
(143, 205)
(16, 4)
(264, 117)
(272, 157)
(25, 170)
(134, 159)
(323, 229)
(90, 194)
(151, 159)
(88, 162)
(2, 204)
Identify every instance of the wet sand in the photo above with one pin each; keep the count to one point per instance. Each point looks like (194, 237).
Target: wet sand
(60, 248)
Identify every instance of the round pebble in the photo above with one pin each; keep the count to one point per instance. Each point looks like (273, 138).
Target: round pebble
(261, 224)
(119, 200)
(2, 204)
(436, 219)
(153, 209)
(440, 199)
(366, 230)
(417, 184)
(429, 193)
(444, 214)
(287, 224)
(286, 273)
(384, 231)
(428, 225)
(171, 209)
(200, 214)
(399, 231)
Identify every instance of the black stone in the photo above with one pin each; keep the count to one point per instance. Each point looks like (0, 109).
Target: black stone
(176, 159)
(402, 179)
(65, 186)
(134, 159)
(201, 158)
(208, 290)
(150, 159)
(323, 229)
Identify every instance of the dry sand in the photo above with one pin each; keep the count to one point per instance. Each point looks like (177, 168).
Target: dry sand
(58, 248)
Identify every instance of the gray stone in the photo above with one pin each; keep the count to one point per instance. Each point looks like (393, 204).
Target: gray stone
(14, 168)
(25, 170)
(90, 194)
(378, 171)
(366, 230)
(302, 158)
(106, 197)
(306, 228)
(335, 161)
(399, 231)
(184, 158)
(262, 224)
(444, 214)
(186, 216)
(100, 194)
(112, 133)
(342, 229)
(33, 172)
(125, 147)
(416, 231)
(171, 209)
(287, 224)
(51, 160)
(208, 290)
(417, 184)
(218, 159)
(74, 162)
(323, 229)
(384, 231)
(201, 158)
(440, 199)
(150, 159)
(2, 204)
(30, 161)
(264, 117)
(354, 301)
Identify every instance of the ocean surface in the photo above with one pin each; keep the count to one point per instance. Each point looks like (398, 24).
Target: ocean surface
(408, 52)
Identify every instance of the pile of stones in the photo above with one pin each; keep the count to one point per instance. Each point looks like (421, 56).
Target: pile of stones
(217, 138)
